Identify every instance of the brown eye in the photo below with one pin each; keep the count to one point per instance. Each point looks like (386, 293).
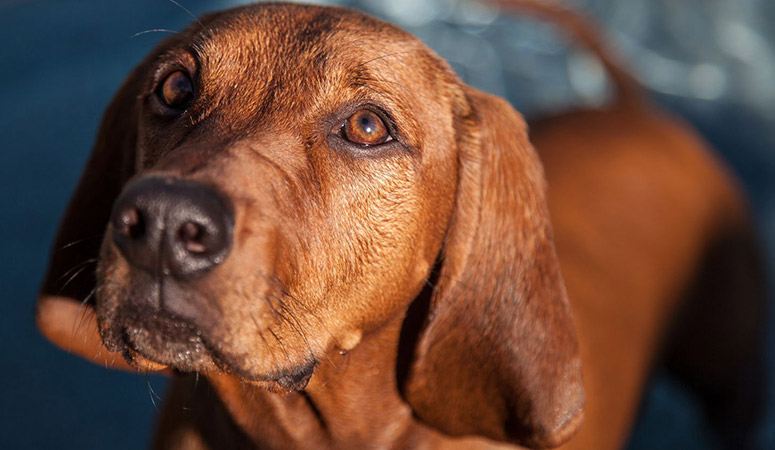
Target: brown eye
(176, 90)
(366, 128)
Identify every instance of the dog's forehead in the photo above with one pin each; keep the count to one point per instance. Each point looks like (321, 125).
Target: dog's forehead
(296, 20)
(280, 41)
(274, 55)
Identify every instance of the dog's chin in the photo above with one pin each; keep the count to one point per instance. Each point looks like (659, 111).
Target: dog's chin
(294, 379)
(143, 352)
(160, 342)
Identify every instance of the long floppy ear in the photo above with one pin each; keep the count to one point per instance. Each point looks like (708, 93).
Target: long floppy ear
(498, 355)
(65, 313)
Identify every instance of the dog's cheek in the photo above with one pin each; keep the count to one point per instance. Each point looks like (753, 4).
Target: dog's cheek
(386, 257)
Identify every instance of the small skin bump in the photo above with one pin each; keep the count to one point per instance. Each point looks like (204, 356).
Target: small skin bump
(349, 340)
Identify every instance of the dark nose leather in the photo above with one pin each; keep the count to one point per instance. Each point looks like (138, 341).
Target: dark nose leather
(172, 227)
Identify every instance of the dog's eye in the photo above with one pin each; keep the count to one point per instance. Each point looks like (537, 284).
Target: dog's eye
(365, 127)
(177, 90)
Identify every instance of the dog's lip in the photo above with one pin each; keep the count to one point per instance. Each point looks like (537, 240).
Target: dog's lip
(202, 358)
(291, 379)
(143, 363)
(148, 344)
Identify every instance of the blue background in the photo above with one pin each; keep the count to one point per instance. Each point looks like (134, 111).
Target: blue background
(60, 63)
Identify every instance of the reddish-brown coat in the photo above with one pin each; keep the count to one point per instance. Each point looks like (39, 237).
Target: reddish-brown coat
(348, 242)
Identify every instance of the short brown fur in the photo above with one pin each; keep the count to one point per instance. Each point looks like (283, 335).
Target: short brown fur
(402, 297)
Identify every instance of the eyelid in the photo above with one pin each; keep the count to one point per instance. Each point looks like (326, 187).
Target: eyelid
(170, 62)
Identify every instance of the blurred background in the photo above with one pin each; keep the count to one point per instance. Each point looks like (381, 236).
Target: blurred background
(710, 61)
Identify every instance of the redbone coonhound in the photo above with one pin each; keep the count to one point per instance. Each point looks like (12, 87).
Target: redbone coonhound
(355, 249)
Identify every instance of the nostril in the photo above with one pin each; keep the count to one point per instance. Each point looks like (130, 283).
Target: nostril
(131, 224)
(192, 236)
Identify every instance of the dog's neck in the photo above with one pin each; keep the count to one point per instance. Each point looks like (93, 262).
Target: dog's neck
(350, 400)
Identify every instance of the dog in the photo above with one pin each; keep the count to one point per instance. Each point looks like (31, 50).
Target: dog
(307, 207)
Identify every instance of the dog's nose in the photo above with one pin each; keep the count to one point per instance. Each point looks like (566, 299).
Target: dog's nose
(172, 227)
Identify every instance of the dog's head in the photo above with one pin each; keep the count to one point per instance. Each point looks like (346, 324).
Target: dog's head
(279, 180)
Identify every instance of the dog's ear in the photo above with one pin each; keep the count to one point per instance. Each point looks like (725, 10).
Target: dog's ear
(498, 355)
(65, 314)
